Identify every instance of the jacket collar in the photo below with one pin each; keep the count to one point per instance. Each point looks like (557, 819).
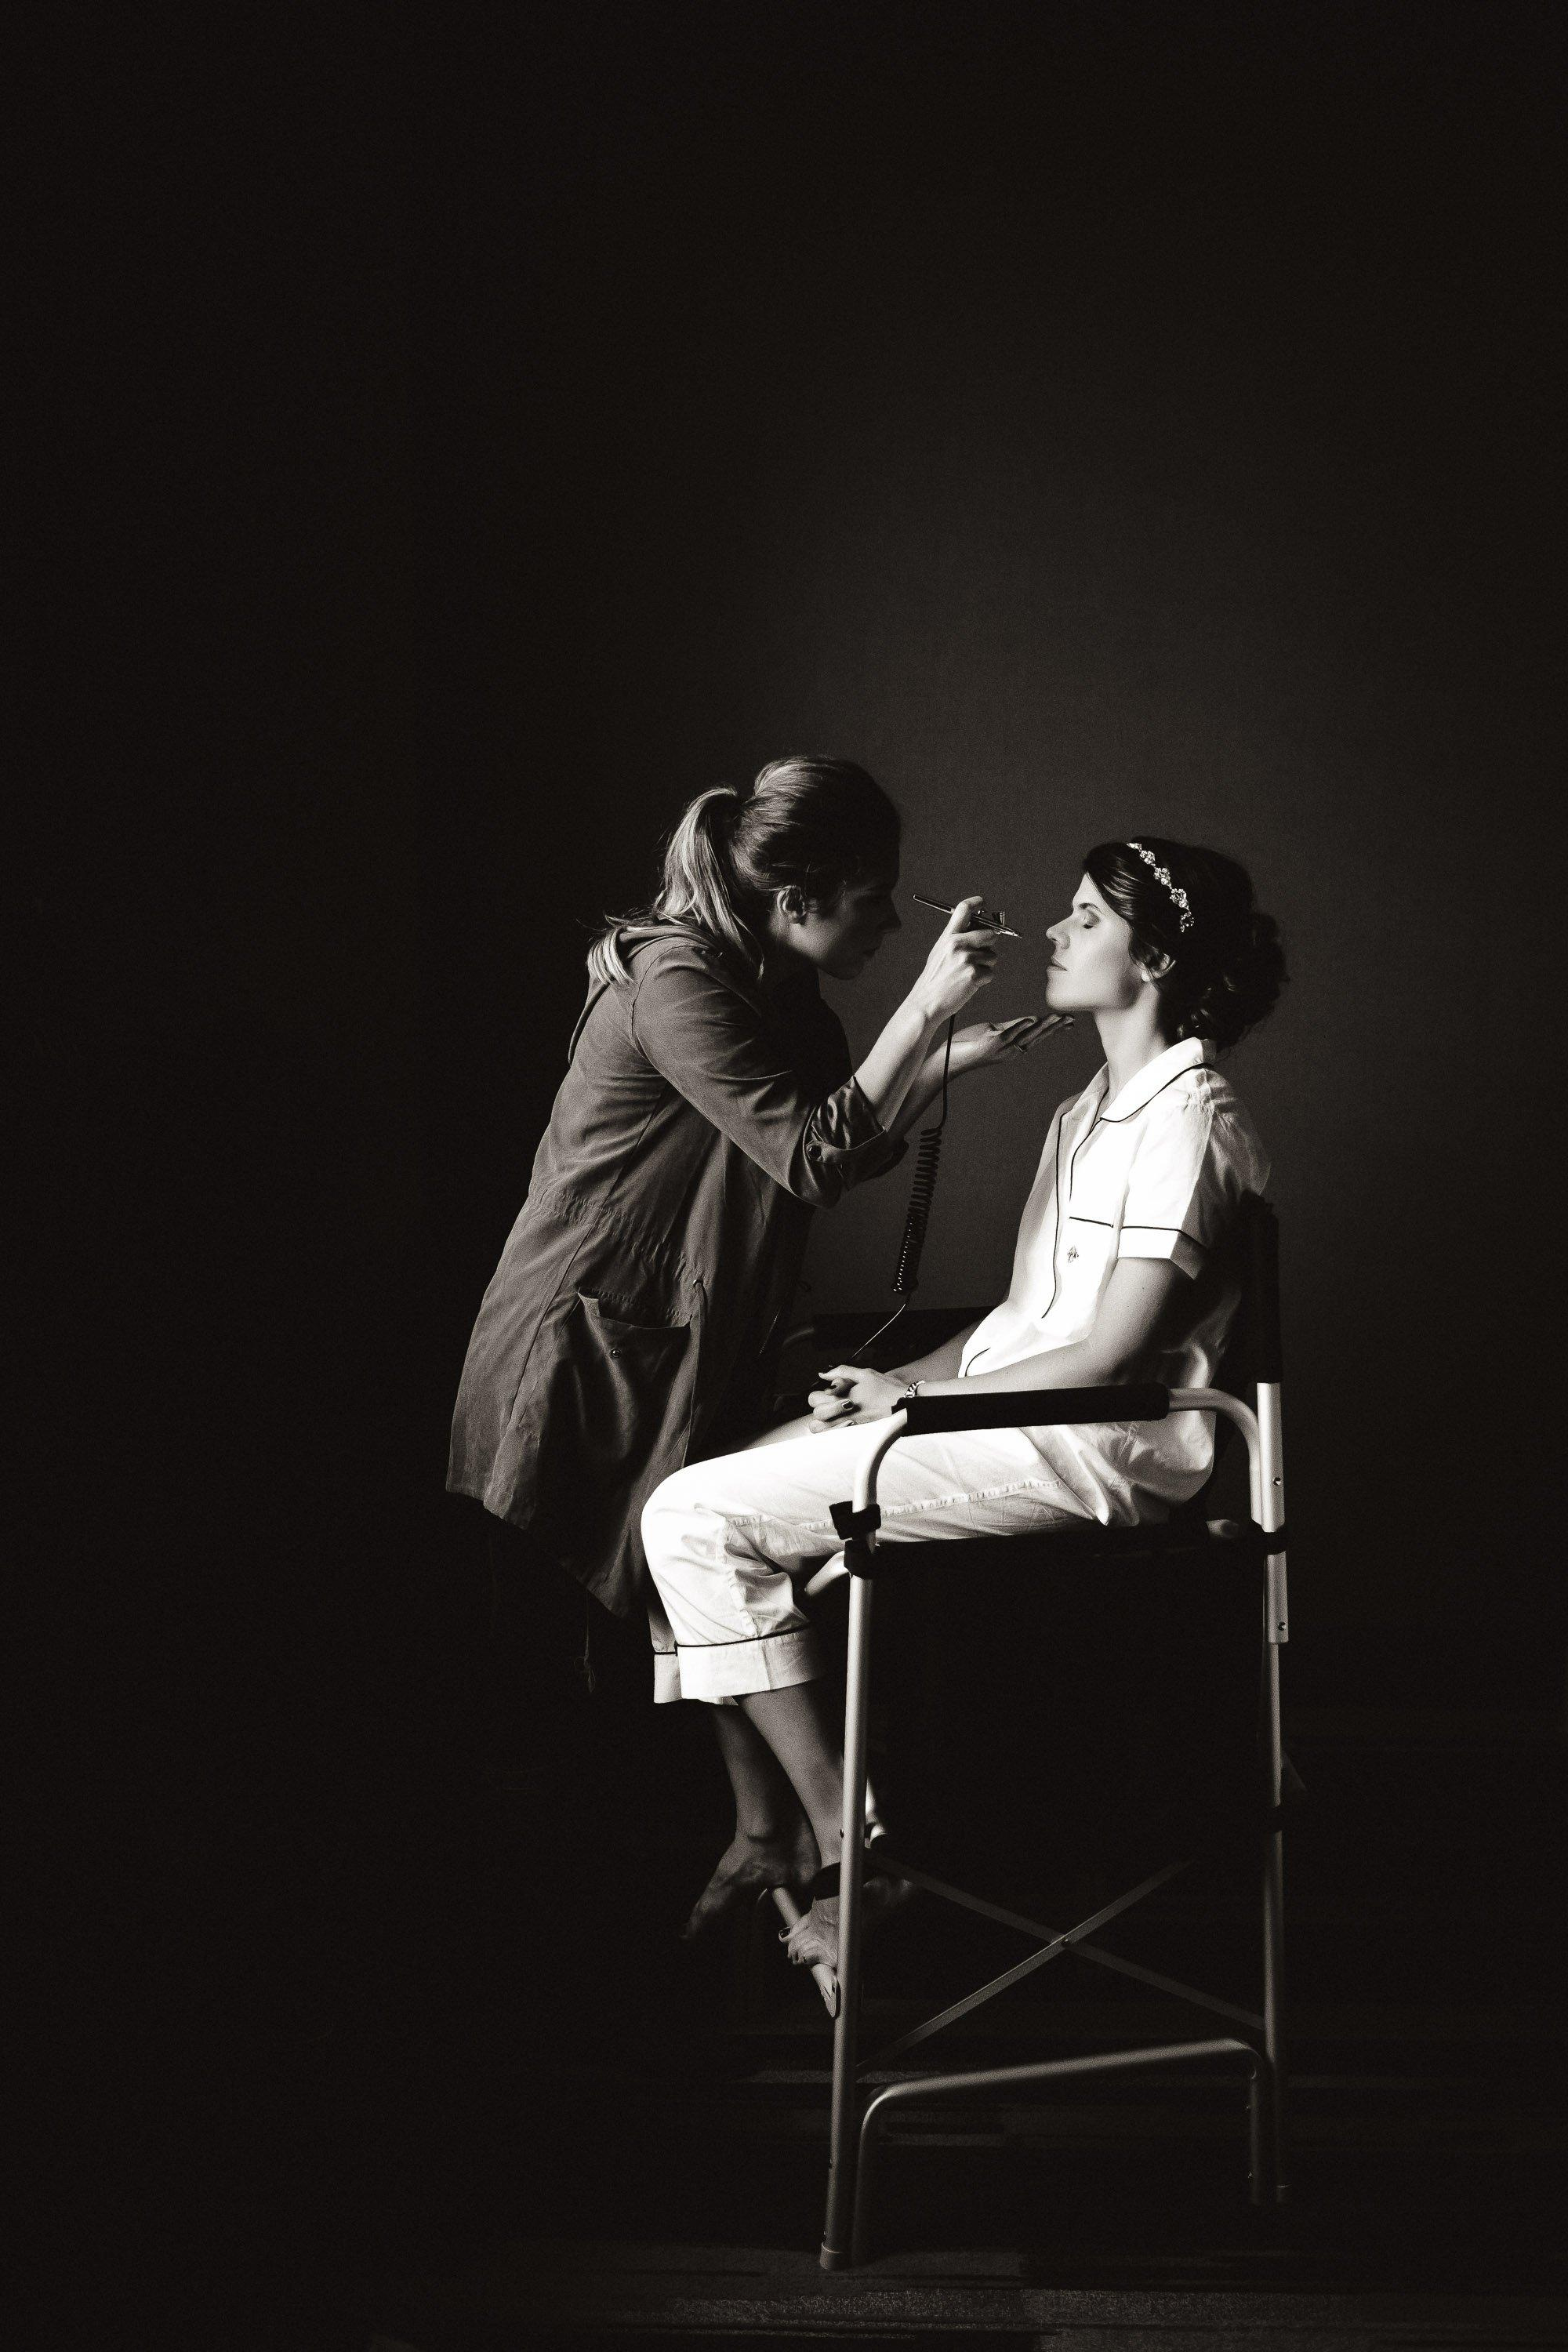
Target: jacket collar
(1187, 1054)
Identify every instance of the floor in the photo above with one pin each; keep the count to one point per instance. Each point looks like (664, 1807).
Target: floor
(659, 2178)
(415, 2057)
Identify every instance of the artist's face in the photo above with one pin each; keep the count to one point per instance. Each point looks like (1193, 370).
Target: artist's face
(1092, 967)
(841, 937)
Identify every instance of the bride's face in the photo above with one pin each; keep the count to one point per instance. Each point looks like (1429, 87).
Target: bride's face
(1092, 967)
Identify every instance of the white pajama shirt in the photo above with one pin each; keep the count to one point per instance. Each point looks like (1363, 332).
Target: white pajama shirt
(1157, 1173)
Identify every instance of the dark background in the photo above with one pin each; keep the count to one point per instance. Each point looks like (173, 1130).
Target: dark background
(1096, 419)
(461, 448)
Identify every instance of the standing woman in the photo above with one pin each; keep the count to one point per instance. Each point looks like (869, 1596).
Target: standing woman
(709, 1104)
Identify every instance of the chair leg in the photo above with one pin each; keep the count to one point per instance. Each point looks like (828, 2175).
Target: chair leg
(1268, 2183)
(844, 2143)
(1262, 2127)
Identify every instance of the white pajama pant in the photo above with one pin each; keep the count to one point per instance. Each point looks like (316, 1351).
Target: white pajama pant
(722, 1537)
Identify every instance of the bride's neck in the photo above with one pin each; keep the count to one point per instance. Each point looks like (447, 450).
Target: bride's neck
(1131, 1039)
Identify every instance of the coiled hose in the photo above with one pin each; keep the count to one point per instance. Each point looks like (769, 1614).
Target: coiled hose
(928, 1159)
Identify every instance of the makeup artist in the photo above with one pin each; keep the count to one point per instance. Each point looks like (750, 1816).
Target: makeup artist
(709, 1104)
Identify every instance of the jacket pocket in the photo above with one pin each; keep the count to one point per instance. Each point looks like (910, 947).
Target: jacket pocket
(622, 1388)
(602, 1421)
(620, 1336)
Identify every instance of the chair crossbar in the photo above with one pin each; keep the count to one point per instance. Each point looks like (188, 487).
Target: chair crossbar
(1081, 1950)
(1065, 1942)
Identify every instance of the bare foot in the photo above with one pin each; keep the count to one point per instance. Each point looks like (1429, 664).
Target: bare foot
(815, 1937)
(748, 1867)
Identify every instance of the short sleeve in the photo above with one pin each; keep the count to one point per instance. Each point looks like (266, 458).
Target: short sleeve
(1181, 1186)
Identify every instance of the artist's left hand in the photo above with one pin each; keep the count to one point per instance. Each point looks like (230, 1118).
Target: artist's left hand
(982, 1043)
(850, 1393)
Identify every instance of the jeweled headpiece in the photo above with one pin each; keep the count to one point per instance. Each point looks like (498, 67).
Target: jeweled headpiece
(1162, 875)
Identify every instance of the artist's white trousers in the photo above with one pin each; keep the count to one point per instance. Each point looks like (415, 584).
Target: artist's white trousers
(723, 1537)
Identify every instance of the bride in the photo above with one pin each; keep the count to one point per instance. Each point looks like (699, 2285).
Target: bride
(1115, 1277)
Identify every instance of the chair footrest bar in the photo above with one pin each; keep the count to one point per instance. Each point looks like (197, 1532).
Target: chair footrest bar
(826, 1984)
(1004, 2078)
(1048, 2070)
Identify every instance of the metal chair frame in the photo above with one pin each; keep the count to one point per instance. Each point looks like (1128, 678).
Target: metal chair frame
(1256, 2039)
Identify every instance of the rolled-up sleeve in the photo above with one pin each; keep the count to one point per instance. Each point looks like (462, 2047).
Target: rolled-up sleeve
(1180, 1188)
(702, 1034)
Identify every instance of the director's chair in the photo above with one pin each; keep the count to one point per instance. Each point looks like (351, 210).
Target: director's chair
(1254, 2039)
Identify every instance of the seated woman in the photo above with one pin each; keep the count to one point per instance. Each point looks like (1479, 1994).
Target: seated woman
(1115, 1279)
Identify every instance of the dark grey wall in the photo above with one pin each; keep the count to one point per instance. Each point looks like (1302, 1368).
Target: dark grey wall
(1092, 419)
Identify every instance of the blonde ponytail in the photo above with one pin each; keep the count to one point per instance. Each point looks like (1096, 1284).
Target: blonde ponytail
(700, 886)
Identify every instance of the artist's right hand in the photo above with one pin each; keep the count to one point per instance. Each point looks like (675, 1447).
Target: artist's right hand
(963, 961)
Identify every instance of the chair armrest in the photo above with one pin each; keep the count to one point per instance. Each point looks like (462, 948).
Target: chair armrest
(1035, 1408)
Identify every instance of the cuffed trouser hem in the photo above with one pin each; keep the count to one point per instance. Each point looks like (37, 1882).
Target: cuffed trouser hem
(722, 1672)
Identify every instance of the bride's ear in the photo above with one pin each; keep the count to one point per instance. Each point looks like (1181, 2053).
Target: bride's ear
(791, 903)
(1156, 965)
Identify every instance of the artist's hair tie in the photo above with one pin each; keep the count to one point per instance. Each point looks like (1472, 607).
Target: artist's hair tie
(1162, 874)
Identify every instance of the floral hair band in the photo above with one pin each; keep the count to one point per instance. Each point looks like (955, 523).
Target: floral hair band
(1162, 874)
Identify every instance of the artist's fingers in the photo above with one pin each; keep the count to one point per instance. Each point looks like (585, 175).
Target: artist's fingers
(1040, 1025)
(980, 939)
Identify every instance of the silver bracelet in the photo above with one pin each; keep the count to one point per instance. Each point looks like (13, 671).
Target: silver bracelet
(912, 1388)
